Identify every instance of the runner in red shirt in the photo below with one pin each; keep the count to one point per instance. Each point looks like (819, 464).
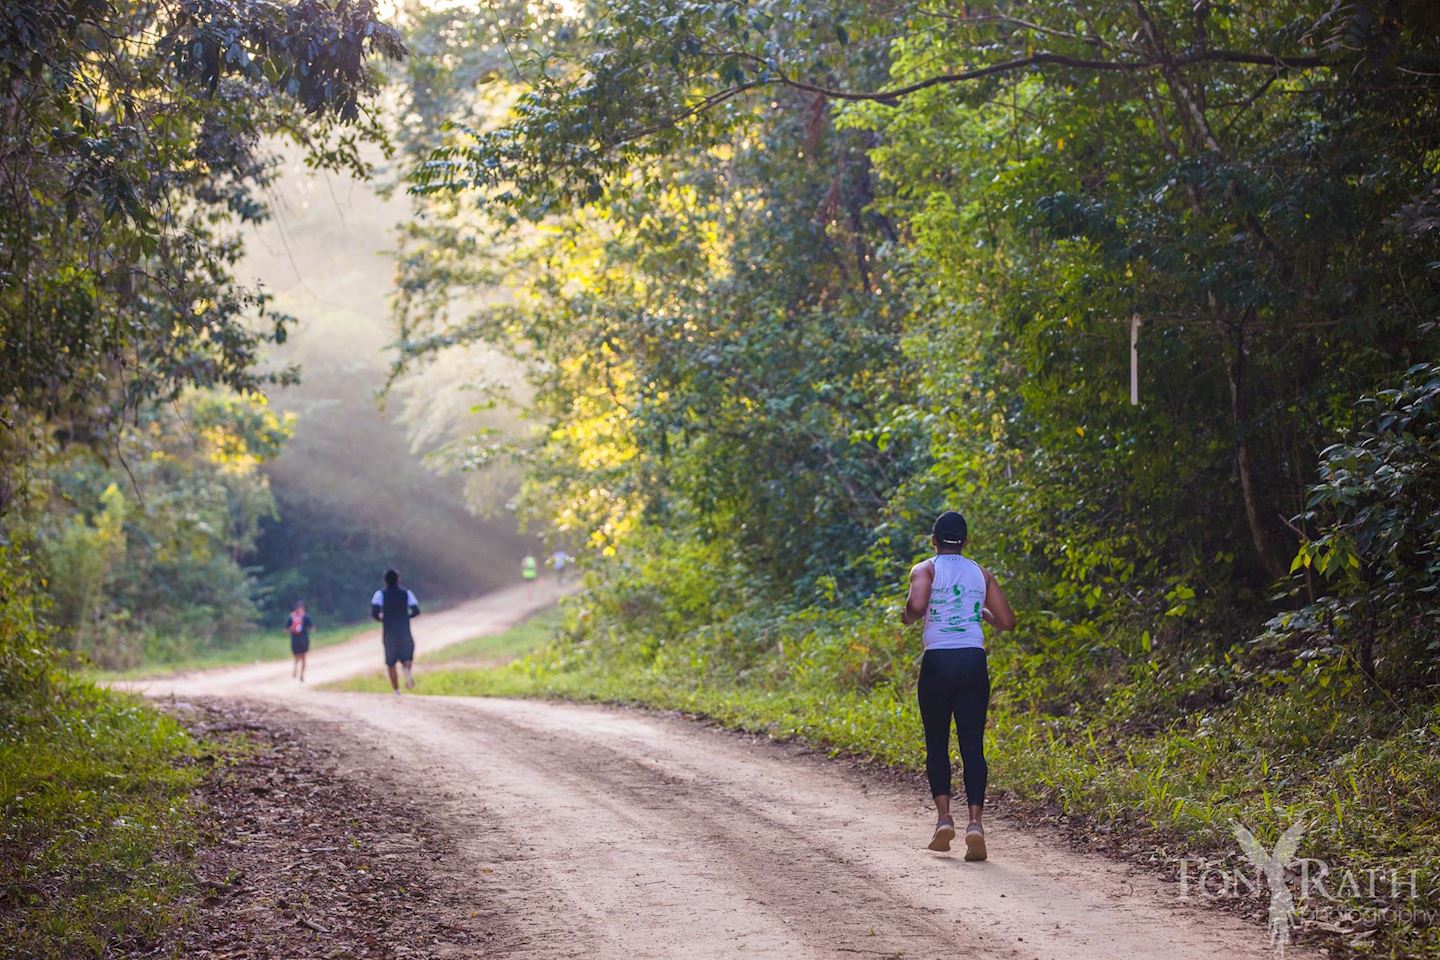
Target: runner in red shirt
(298, 625)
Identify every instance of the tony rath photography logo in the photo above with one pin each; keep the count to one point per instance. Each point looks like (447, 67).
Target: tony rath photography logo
(1272, 864)
(1338, 894)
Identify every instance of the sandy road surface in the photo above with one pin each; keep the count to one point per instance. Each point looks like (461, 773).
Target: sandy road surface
(621, 835)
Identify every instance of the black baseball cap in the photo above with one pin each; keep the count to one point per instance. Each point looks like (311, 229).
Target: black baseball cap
(951, 529)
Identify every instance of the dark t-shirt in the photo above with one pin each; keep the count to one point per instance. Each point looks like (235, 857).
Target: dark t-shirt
(398, 605)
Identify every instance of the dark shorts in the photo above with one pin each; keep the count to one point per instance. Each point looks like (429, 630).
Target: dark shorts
(399, 650)
(299, 645)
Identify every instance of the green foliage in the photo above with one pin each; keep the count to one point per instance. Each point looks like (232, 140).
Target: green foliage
(704, 353)
(144, 559)
(1376, 546)
(132, 144)
(27, 660)
(795, 325)
(94, 816)
(84, 559)
(1048, 211)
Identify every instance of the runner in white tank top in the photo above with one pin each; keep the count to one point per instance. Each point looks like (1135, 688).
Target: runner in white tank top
(957, 603)
(954, 596)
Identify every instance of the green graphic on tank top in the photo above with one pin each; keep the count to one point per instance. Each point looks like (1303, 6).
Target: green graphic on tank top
(951, 616)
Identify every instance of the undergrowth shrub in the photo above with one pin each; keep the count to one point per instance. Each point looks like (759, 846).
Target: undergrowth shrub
(95, 822)
(1374, 553)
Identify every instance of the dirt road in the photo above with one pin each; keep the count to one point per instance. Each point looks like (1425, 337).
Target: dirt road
(362, 653)
(621, 835)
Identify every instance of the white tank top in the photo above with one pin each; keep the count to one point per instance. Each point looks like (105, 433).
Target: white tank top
(956, 598)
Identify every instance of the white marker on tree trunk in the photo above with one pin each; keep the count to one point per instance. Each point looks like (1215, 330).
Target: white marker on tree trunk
(1134, 359)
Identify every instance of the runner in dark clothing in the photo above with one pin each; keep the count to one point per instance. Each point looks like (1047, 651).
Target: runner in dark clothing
(394, 606)
(298, 625)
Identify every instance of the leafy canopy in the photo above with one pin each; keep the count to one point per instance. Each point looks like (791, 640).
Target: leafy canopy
(134, 137)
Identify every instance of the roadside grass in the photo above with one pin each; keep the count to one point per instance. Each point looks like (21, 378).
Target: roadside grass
(258, 646)
(527, 635)
(492, 650)
(96, 825)
(1361, 771)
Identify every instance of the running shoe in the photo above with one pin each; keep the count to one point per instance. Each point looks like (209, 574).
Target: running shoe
(944, 833)
(974, 842)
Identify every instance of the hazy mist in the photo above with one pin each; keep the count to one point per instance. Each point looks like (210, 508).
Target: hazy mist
(323, 258)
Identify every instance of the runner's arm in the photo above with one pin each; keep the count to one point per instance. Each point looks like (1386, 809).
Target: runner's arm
(922, 578)
(997, 612)
(414, 604)
(377, 610)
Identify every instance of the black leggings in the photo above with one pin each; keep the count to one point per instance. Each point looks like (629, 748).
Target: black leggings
(955, 683)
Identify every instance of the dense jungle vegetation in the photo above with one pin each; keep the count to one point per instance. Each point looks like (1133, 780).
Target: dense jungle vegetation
(802, 278)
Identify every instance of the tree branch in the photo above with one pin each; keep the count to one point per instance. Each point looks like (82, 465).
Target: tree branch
(714, 100)
(1043, 58)
(977, 19)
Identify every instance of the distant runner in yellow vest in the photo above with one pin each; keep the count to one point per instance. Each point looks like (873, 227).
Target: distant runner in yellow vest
(529, 569)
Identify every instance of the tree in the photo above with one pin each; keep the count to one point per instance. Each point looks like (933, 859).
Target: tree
(1239, 179)
(680, 377)
(152, 560)
(133, 137)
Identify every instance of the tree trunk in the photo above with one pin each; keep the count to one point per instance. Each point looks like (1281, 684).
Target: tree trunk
(1367, 648)
(1201, 139)
(1235, 371)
